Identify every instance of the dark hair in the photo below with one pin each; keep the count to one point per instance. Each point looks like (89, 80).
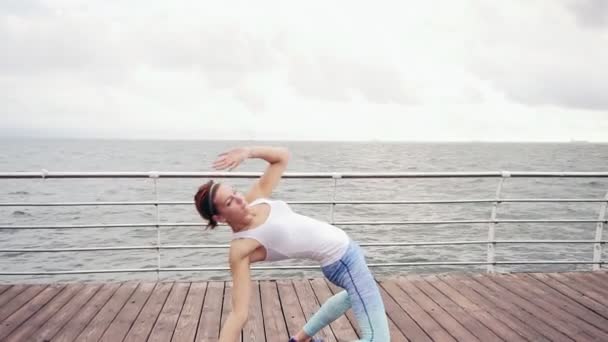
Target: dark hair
(203, 201)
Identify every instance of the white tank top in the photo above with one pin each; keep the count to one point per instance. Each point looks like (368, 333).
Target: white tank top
(286, 235)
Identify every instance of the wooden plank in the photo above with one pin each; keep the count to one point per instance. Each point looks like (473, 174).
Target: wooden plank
(502, 308)
(19, 300)
(78, 322)
(227, 303)
(294, 316)
(538, 307)
(402, 320)
(395, 334)
(189, 317)
(341, 327)
(23, 332)
(586, 286)
(97, 326)
(560, 310)
(426, 322)
(581, 287)
(253, 331)
(310, 305)
(449, 324)
(594, 282)
(541, 299)
(11, 293)
(577, 296)
(209, 325)
(538, 312)
(166, 322)
(274, 322)
(4, 288)
(566, 303)
(465, 318)
(64, 315)
(29, 309)
(149, 313)
(480, 313)
(120, 326)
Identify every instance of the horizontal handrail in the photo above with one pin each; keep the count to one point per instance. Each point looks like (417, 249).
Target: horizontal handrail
(335, 176)
(339, 223)
(224, 246)
(301, 267)
(158, 174)
(503, 200)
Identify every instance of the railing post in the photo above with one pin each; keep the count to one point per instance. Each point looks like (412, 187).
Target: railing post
(154, 176)
(597, 247)
(335, 177)
(492, 226)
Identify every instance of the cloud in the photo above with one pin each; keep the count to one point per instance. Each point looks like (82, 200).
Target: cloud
(23, 7)
(560, 65)
(338, 80)
(397, 70)
(590, 13)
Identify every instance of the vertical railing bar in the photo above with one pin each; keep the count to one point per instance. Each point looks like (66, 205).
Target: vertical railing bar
(332, 208)
(158, 263)
(599, 228)
(491, 267)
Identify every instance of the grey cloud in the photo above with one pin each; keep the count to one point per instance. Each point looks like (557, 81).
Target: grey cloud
(39, 45)
(331, 79)
(95, 46)
(590, 13)
(22, 7)
(546, 85)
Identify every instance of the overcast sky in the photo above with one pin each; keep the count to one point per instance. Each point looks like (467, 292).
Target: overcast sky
(441, 70)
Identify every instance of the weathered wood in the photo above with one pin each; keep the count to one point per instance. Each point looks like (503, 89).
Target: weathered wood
(476, 311)
(310, 305)
(141, 328)
(167, 320)
(518, 307)
(209, 324)
(120, 326)
(28, 311)
(274, 322)
(82, 318)
(187, 324)
(106, 315)
(64, 315)
(254, 328)
(24, 331)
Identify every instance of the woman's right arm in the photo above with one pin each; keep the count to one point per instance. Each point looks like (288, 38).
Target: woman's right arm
(277, 158)
(241, 290)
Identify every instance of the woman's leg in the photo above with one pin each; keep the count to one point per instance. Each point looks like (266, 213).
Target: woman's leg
(332, 309)
(364, 295)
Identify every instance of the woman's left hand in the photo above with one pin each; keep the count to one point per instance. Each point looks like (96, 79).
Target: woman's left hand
(231, 159)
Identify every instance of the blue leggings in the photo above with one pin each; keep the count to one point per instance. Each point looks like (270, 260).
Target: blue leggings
(361, 293)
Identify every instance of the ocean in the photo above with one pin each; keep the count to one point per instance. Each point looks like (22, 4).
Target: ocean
(156, 155)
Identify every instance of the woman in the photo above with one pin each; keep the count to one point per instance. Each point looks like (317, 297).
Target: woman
(268, 230)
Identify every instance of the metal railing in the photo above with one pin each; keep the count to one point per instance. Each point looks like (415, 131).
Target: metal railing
(491, 242)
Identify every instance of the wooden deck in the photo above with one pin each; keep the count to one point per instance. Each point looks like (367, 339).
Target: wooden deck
(515, 307)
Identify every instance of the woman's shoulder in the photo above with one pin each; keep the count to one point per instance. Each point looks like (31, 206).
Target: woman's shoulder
(260, 200)
(242, 247)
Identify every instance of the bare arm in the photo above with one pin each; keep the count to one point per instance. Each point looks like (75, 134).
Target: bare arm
(277, 158)
(241, 290)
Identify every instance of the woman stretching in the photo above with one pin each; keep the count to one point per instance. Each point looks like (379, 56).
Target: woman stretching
(268, 230)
